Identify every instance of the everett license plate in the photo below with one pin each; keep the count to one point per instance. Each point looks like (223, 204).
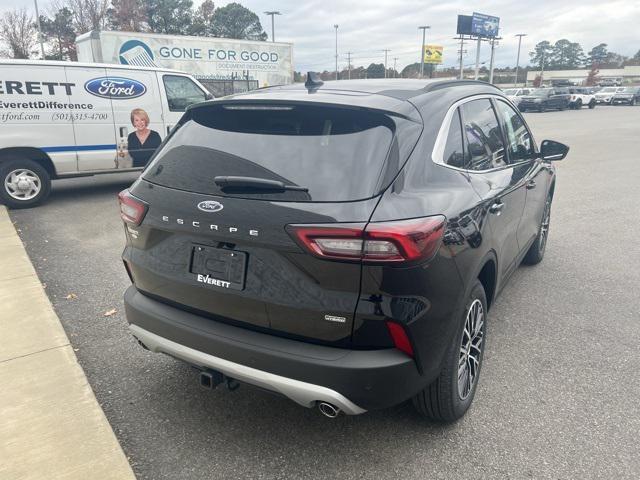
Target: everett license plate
(218, 267)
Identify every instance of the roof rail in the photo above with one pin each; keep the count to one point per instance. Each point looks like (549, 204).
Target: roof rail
(449, 83)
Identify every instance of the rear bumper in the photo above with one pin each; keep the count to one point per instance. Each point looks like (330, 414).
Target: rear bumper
(353, 380)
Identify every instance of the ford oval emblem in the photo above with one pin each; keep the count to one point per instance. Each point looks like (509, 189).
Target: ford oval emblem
(210, 206)
(115, 88)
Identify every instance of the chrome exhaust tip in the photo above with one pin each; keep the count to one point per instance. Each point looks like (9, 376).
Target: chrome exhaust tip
(328, 410)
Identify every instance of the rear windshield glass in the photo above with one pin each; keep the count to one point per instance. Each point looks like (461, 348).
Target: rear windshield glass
(338, 154)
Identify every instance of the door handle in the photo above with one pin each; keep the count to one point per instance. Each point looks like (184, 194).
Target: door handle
(531, 185)
(496, 208)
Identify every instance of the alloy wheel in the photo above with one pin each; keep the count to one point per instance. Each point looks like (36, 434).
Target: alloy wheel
(470, 349)
(544, 225)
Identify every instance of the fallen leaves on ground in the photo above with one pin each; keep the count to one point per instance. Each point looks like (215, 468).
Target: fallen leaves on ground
(108, 313)
(71, 296)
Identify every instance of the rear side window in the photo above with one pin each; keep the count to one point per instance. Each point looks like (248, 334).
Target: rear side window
(181, 92)
(338, 154)
(484, 137)
(454, 148)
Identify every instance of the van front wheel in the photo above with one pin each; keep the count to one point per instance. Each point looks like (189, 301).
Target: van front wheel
(24, 183)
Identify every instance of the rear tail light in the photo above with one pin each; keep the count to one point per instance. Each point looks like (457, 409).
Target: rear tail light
(380, 242)
(132, 209)
(400, 339)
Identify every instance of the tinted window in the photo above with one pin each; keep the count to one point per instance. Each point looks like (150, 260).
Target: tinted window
(181, 92)
(454, 149)
(516, 134)
(483, 135)
(339, 154)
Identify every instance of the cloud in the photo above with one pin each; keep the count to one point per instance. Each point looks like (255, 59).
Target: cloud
(368, 27)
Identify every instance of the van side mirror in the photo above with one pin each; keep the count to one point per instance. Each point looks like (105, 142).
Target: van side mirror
(551, 150)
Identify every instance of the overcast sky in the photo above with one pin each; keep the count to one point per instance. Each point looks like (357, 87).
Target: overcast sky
(368, 27)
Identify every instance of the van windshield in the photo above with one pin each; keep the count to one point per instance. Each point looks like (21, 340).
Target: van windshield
(335, 153)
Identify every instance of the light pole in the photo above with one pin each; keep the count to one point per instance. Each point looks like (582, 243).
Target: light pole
(273, 32)
(39, 30)
(519, 35)
(336, 27)
(424, 30)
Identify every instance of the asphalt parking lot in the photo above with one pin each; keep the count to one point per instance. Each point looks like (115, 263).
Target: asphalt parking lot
(558, 397)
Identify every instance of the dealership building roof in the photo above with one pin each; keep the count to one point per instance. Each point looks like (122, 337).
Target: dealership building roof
(628, 72)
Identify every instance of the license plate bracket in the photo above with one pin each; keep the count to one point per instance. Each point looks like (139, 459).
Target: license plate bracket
(218, 267)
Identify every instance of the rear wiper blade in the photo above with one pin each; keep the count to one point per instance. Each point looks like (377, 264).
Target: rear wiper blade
(255, 182)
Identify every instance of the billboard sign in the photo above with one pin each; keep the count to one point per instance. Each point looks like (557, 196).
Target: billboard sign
(433, 54)
(484, 25)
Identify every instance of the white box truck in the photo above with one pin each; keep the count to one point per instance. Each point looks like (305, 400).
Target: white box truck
(64, 119)
(208, 59)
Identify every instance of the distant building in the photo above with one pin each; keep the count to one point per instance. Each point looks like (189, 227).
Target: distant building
(628, 74)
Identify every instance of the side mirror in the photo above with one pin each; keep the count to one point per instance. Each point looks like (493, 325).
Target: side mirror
(208, 96)
(550, 150)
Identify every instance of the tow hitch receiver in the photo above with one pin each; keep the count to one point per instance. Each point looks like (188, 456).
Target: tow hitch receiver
(210, 379)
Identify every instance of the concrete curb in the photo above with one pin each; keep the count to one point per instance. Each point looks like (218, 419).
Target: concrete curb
(51, 425)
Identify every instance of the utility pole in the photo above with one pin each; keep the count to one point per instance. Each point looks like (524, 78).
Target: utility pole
(424, 30)
(477, 59)
(395, 59)
(462, 52)
(349, 63)
(541, 69)
(493, 47)
(460, 57)
(273, 32)
(39, 30)
(336, 27)
(519, 35)
(386, 51)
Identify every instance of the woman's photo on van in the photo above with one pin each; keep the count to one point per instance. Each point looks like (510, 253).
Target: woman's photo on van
(143, 141)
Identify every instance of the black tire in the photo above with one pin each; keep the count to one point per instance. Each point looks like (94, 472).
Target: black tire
(35, 174)
(442, 400)
(578, 105)
(540, 108)
(535, 254)
(633, 102)
(592, 104)
(562, 107)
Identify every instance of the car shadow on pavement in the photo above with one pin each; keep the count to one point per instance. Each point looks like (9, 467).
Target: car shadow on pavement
(73, 189)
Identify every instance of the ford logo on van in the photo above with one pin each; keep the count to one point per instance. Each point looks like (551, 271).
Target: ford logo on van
(210, 206)
(116, 88)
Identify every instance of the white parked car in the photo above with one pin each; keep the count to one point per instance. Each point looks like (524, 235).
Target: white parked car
(515, 94)
(581, 97)
(65, 119)
(606, 94)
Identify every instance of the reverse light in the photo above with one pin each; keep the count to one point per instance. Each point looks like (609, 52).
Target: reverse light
(380, 242)
(132, 209)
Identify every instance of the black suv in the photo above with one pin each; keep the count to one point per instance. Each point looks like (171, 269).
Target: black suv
(337, 243)
(542, 99)
(630, 96)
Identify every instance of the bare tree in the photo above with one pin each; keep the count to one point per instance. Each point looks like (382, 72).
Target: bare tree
(128, 15)
(17, 30)
(87, 14)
